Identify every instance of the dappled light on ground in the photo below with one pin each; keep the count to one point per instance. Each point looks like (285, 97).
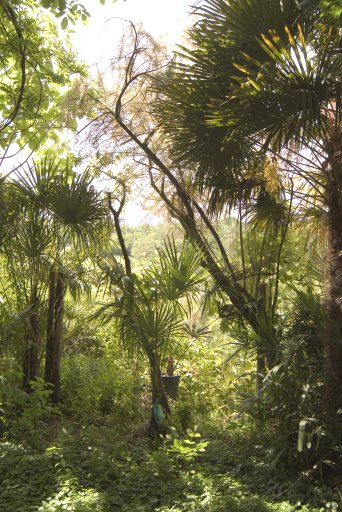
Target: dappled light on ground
(84, 472)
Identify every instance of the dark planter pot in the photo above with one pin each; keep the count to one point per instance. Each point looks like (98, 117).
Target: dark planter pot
(171, 383)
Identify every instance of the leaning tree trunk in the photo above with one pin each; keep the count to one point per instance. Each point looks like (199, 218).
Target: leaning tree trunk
(54, 333)
(158, 393)
(333, 329)
(32, 342)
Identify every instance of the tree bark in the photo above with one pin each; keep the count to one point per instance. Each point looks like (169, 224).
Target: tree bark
(54, 333)
(332, 340)
(32, 343)
(158, 392)
(50, 327)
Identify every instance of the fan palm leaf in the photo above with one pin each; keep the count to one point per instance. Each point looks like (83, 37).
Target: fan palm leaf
(72, 202)
(249, 82)
(34, 181)
(267, 210)
(179, 272)
(34, 237)
(77, 207)
(287, 99)
(157, 324)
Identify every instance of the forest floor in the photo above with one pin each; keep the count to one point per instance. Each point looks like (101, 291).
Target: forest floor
(93, 469)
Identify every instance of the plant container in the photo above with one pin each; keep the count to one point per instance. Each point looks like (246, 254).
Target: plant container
(171, 383)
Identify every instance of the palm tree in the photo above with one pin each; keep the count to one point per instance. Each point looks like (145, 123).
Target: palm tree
(26, 238)
(149, 309)
(262, 79)
(66, 214)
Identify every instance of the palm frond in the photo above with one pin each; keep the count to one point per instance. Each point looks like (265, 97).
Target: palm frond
(267, 210)
(34, 181)
(78, 208)
(70, 198)
(33, 236)
(307, 304)
(259, 74)
(288, 98)
(178, 273)
(157, 326)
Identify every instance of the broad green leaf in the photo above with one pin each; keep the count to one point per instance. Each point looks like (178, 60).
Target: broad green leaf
(64, 23)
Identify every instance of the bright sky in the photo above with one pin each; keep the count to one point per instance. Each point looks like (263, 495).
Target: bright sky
(165, 20)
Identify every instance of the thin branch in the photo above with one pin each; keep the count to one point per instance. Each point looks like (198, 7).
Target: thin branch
(242, 246)
(116, 216)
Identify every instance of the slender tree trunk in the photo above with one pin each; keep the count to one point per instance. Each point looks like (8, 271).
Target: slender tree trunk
(53, 355)
(158, 392)
(57, 352)
(32, 343)
(261, 371)
(260, 356)
(50, 327)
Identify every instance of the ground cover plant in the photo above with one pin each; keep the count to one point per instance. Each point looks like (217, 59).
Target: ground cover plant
(82, 456)
(93, 469)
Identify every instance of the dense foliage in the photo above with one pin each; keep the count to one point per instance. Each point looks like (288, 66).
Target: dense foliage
(235, 297)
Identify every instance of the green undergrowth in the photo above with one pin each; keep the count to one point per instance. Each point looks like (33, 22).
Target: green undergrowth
(94, 469)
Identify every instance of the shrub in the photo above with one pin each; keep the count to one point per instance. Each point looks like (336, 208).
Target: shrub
(94, 388)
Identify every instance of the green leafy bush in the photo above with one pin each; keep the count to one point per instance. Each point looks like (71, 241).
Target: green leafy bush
(186, 448)
(72, 499)
(94, 388)
(23, 414)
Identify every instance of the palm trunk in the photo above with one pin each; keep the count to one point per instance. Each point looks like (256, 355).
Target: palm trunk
(158, 392)
(54, 333)
(333, 331)
(50, 327)
(32, 342)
